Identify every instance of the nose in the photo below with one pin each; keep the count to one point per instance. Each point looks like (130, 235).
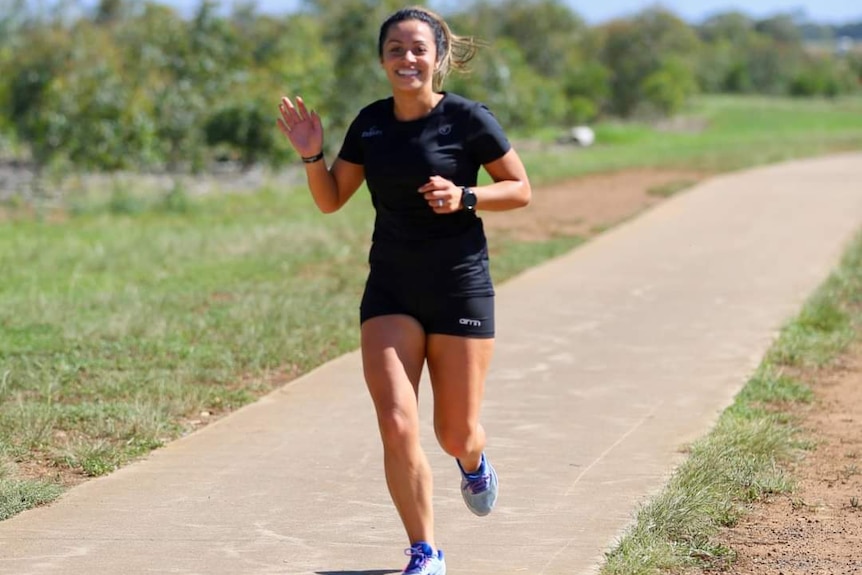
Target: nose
(410, 56)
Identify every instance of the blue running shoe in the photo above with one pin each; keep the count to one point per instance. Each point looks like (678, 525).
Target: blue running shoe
(479, 488)
(423, 560)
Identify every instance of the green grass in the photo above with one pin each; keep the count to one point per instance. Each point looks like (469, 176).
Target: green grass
(119, 326)
(671, 188)
(132, 316)
(740, 132)
(744, 458)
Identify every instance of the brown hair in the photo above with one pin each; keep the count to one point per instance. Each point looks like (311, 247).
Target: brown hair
(453, 52)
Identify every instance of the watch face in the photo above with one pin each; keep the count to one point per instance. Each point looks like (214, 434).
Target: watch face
(469, 199)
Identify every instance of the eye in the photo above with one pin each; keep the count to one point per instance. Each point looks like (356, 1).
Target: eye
(396, 50)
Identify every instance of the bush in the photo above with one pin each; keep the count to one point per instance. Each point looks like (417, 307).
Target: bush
(738, 80)
(247, 128)
(667, 89)
(823, 77)
(590, 80)
(582, 110)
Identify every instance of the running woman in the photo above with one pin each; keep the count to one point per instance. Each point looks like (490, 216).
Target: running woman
(429, 297)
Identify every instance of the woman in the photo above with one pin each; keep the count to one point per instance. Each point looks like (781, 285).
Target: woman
(429, 296)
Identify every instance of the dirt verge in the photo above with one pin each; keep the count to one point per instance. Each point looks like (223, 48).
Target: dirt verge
(590, 204)
(817, 529)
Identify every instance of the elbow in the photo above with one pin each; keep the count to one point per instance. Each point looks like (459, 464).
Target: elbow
(327, 207)
(526, 195)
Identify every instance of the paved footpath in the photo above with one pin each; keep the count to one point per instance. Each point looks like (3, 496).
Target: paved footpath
(609, 360)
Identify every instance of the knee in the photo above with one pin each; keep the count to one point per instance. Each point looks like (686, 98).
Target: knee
(398, 429)
(459, 441)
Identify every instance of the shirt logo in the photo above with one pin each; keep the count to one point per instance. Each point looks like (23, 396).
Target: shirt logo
(445, 130)
(371, 132)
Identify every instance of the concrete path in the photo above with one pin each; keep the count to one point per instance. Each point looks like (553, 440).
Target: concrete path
(609, 360)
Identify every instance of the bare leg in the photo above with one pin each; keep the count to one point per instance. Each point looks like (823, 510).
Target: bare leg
(458, 367)
(393, 353)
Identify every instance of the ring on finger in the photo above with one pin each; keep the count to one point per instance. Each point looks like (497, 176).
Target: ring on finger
(439, 203)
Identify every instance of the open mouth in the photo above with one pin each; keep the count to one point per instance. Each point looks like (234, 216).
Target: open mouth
(407, 73)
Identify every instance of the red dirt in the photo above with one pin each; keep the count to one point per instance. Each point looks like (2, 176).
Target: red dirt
(586, 205)
(817, 529)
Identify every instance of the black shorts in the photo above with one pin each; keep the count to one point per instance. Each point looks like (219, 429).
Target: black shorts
(445, 286)
(441, 314)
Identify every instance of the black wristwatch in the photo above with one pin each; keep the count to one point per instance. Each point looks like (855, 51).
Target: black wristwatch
(468, 199)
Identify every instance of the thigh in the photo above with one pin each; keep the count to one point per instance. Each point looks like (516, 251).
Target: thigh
(458, 367)
(393, 354)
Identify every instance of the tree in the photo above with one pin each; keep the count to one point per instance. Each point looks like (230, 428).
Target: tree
(32, 74)
(110, 11)
(352, 28)
(286, 57)
(667, 89)
(635, 49)
(746, 56)
(781, 28)
(245, 127)
(770, 65)
(519, 96)
(546, 31)
(587, 88)
(733, 27)
(823, 76)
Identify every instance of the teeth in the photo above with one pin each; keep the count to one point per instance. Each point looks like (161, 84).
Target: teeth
(407, 72)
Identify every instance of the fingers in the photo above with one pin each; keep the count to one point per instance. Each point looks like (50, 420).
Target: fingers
(439, 201)
(303, 112)
(439, 193)
(287, 111)
(283, 127)
(292, 116)
(436, 183)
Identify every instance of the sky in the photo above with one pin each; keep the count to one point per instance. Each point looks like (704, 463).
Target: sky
(826, 11)
(594, 12)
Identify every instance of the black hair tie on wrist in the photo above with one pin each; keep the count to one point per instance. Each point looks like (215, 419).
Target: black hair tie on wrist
(312, 159)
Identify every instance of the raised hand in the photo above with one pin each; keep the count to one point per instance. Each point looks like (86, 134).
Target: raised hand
(302, 128)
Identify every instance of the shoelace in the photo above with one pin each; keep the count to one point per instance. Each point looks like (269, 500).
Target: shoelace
(478, 483)
(418, 559)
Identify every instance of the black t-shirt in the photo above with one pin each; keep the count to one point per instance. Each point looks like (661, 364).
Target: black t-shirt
(453, 141)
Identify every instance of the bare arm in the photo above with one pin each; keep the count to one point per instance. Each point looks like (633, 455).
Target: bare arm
(332, 187)
(511, 188)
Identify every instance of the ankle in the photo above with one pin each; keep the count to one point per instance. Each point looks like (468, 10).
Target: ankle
(472, 466)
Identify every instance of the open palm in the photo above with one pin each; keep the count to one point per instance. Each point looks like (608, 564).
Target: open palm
(302, 128)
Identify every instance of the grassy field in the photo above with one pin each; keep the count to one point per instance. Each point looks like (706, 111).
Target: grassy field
(127, 321)
(714, 134)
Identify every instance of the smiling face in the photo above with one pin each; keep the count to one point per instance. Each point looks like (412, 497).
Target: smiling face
(409, 56)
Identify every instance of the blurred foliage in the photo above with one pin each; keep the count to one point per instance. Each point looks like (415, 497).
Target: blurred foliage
(131, 84)
(636, 50)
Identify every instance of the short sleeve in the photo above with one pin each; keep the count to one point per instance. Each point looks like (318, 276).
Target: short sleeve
(486, 141)
(351, 148)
